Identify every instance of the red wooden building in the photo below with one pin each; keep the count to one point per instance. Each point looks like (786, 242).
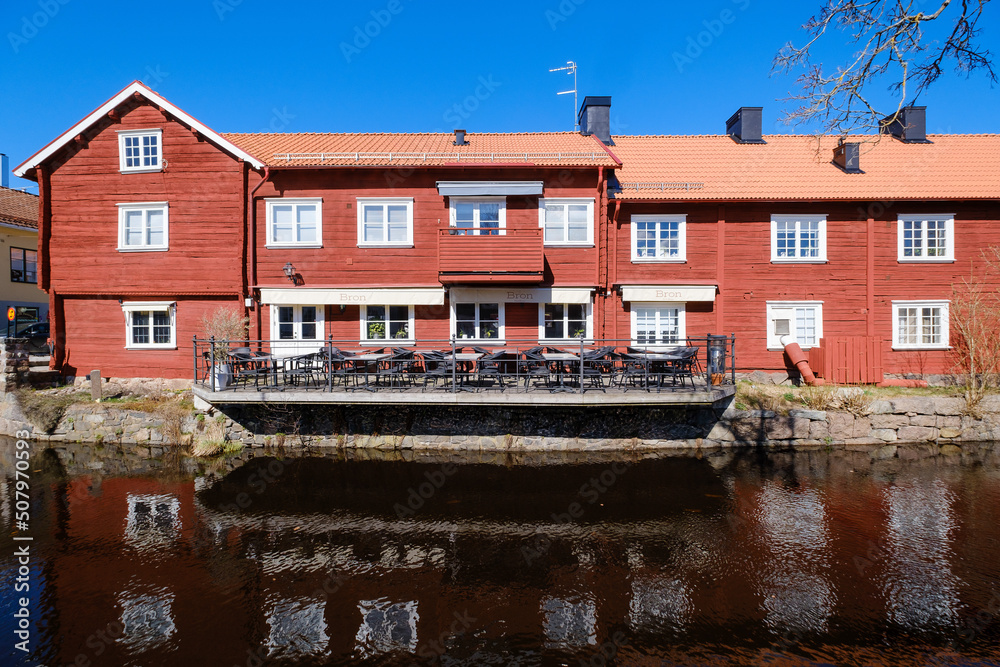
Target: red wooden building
(149, 220)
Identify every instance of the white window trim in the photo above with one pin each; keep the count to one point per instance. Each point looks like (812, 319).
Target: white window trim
(681, 323)
(143, 206)
(297, 323)
(474, 200)
(943, 304)
(130, 307)
(294, 202)
(134, 133)
(820, 218)
(588, 336)
(386, 342)
(568, 201)
(681, 257)
(501, 333)
(949, 230)
(772, 341)
(385, 201)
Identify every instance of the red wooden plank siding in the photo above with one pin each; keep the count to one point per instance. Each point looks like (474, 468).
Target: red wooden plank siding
(512, 251)
(848, 360)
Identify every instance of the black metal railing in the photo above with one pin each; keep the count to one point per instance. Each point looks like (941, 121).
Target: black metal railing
(461, 364)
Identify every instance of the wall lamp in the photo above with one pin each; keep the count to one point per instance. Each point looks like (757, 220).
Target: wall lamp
(289, 270)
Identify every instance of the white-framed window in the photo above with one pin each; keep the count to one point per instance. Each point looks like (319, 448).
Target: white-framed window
(478, 321)
(564, 321)
(140, 150)
(387, 324)
(150, 325)
(385, 222)
(659, 238)
(798, 238)
(567, 222)
(143, 226)
(297, 329)
(479, 216)
(799, 321)
(295, 223)
(926, 238)
(657, 324)
(920, 325)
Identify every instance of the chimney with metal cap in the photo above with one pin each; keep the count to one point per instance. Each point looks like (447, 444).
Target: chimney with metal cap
(847, 156)
(909, 125)
(744, 126)
(595, 118)
(460, 138)
(5, 168)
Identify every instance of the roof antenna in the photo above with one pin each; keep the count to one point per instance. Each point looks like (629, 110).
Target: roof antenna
(571, 66)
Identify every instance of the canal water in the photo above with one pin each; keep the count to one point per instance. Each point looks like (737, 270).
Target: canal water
(717, 558)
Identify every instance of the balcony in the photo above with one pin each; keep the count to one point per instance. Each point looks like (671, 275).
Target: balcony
(489, 255)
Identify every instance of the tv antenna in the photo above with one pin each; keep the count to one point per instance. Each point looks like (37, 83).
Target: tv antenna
(570, 69)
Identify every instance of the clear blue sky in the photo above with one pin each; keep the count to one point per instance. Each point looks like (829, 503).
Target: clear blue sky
(299, 66)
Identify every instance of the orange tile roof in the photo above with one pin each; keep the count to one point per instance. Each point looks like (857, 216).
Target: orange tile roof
(796, 167)
(375, 149)
(18, 208)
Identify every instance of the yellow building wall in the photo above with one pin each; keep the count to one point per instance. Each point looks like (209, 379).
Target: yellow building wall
(18, 294)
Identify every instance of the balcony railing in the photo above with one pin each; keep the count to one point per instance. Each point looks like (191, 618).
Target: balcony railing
(691, 365)
(490, 254)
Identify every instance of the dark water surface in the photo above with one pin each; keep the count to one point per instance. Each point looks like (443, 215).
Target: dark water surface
(820, 558)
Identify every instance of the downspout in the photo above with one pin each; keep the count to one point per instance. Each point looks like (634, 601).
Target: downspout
(252, 242)
(798, 357)
(602, 215)
(613, 268)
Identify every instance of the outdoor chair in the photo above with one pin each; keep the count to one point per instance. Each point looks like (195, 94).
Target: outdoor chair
(398, 369)
(246, 368)
(438, 366)
(534, 367)
(635, 370)
(302, 370)
(598, 367)
(489, 367)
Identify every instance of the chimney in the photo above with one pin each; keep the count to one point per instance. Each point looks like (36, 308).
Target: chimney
(744, 126)
(910, 125)
(5, 168)
(460, 138)
(847, 156)
(595, 118)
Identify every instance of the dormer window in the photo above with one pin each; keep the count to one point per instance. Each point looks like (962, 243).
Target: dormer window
(140, 150)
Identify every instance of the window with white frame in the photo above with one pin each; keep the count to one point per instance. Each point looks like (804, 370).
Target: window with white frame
(659, 238)
(385, 222)
(478, 321)
(150, 325)
(926, 238)
(478, 217)
(801, 322)
(567, 221)
(798, 238)
(563, 321)
(143, 226)
(387, 323)
(295, 223)
(298, 322)
(920, 324)
(658, 323)
(140, 150)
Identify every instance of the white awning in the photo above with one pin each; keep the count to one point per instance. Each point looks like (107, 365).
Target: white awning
(389, 296)
(492, 188)
(680, 293)
(521, 295)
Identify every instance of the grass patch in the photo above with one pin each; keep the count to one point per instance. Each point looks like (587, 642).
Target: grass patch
(44, 410)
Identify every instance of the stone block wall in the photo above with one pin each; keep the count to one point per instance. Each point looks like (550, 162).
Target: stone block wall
(13, 363)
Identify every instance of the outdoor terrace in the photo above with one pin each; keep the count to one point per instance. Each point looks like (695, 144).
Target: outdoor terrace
(592, 373)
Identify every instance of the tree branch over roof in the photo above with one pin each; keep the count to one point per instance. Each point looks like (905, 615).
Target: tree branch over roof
(893, 46)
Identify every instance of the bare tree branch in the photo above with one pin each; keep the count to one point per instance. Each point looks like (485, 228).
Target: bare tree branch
(892, 47)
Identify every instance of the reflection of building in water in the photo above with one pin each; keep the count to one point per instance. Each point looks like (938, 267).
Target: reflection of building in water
(153, 520)
(570, 622)
(793, 583)
(920, 588)
(386, 626)
(659, 601)
(147, 619)
(297, 628)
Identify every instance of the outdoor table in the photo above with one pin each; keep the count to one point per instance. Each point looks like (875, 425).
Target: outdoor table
(561, 359)
(362, 363)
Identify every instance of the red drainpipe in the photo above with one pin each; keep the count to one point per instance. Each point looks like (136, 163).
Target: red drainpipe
(253, 242)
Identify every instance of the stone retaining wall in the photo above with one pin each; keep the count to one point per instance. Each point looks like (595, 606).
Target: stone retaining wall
(904, 420)
(14, 363)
